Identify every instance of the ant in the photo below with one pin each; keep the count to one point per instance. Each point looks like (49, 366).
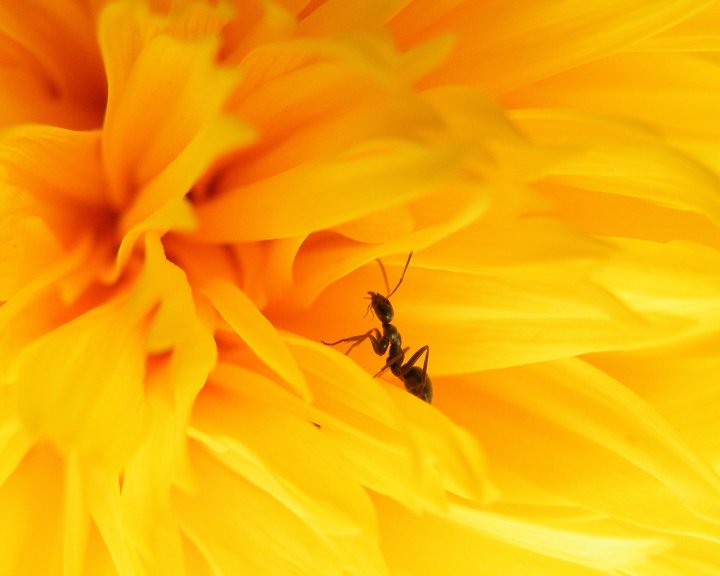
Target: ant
(416, 381)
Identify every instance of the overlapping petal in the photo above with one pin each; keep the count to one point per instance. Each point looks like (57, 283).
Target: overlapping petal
(199, 204)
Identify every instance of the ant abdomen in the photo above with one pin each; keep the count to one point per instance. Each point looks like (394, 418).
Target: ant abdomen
(418, 384)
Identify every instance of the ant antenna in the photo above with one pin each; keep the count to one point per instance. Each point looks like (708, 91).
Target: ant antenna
(382, 268)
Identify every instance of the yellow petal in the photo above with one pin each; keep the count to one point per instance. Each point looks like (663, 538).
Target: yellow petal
(81, 385)
(677, 278)
(490, 318)
(661, 377)
(76, 520)
(15, 442)
(586, 437)
(473, 542)
(595, 551)
(148, 518)
(696, 34)
(393, 443)
(674, 93)
(31, 522)
(33, 310)
(239, 528)
(615, 157)
(292, 464)
(327, 259)
(28, 247)
(102, 491)
(375, 177)
(249, 323)
(213, 139)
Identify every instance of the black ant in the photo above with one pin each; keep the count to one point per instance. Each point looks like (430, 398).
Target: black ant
(416, 381)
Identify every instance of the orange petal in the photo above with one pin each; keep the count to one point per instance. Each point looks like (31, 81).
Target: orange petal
(162, 91)
(672, 92)
(55, 165)
(338, 16)
(506, 44)
(53, 53)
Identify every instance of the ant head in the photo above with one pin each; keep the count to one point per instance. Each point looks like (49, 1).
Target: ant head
(381, 307)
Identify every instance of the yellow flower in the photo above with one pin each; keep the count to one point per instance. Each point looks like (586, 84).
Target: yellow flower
(193, 195)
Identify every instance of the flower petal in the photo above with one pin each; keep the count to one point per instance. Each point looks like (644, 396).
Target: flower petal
(523, 41)
(260, 335)
(586, 437)
(338, 16)
(162, 205)
(605, 552)
(662, 380)
(615, 157)
(53, 47)
(148, 518)
(99, 357)
(676, 278)
(240, 529)
(162, 91)
(467, 541)
(488, 318)
(378, 176)
(395, 445)
(55, 165)
(102, 491)
(32, 515)
(293, 464)
(35, 309)
(684, 89)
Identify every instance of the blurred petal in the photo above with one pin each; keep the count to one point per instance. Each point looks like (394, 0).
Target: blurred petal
(379, 176)
(227, 509)
(529, 40)
(31, 501)
(192, 195)
(100, 357)
(61, 165)
(52, 71)
(471, 542)
(617, 158)
(156, 106)
(613, 462)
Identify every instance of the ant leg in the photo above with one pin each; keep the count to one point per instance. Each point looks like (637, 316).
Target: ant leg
(414, 358)
(390, 361)
(373, 334)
